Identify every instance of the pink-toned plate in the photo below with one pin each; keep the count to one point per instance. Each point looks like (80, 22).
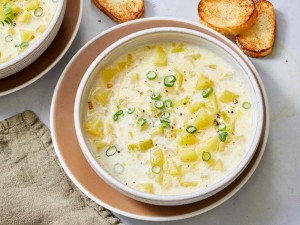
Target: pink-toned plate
(72, 158)
(51, 56)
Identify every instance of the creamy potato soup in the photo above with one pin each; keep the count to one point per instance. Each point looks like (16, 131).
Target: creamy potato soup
(22, 22)
(168, 119)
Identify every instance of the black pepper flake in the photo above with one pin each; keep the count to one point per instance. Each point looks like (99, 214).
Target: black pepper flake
(232, 112)
(99, 21)
(159, 82)
(177, 93)
(143, 110)
(218, 116)
(119, 151)
(184, 103)
(180, 114)
(155, 144)
(235, 101)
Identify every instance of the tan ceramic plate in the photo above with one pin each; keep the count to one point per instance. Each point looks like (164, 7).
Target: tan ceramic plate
(51, 56)
(72, 158)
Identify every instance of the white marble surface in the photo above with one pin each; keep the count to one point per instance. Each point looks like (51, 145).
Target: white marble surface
(272, 195)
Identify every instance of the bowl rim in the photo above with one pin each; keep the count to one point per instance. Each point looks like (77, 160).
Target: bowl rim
(211, 189)
(39, 41)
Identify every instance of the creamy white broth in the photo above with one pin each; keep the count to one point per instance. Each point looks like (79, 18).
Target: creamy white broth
(26, 21)
(187, 166)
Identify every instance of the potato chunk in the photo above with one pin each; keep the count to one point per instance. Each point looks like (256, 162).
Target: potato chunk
(31, 4)
(172, 168)
(26, 35)
(203, 119)
(146, 187)
(95, 127)
(188, 155)
(203, 82)
(157, 157)
(157, 131)
(195, 107)
(160, 57)
(212, 103)
(228, 96)
(187, 139)
(102, 98)
(142, 146)
(188, 183)
(108, 74)
(209, 145)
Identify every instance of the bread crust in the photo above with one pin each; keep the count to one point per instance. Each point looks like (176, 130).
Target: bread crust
(121, 13)
(229, 17)
(258, 41)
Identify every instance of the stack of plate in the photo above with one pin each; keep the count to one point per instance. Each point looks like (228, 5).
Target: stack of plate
(75, 163)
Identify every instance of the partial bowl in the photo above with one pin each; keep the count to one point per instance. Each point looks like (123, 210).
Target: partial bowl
(18, 63)
(169, 34)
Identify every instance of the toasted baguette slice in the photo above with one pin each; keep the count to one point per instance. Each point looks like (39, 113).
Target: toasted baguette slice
(229, 17)
(258, 41)
(121, 10)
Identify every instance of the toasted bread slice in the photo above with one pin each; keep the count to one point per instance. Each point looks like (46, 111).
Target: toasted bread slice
(227, 16)
(258, 41)
(121, 10)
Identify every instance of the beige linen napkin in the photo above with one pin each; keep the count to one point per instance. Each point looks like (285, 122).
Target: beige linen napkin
(33, 187)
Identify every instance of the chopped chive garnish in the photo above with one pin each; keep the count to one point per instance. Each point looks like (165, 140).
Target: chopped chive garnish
(155, 96)
(165, 123)
(151, 75)
(206, 156)
(207, 92)
(166, 115)
(168, 103)
(223, 136)
(111, 151)
(169, 81)
(38, 12)
(159, 104)
(222, 127)
(8, 38)
(130, 110)
(191, 129)
(115, 117)
(141, 122)
(246, 105)
(119, 112)
(156, 169)
(118, 168)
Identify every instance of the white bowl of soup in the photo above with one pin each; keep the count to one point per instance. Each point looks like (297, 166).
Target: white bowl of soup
(168, 116)
(27, 29)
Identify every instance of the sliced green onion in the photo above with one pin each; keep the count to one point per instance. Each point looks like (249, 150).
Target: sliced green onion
(223, 136)
(119, 112)
(207, 92)
(115, 117)
(23, 45)
(119, 168)
(169, 81)
(159, 104)
(8, 38)
(168, 103)
(191, 129)
(38, 12)
(246, 105)
(130, 110)
(155, 96)
(111, 151)
(165, 123)
(156, 169)
(7, 10)
(8, 21)
(2, 23)
(222, 127)
(206, 156)
(166, 115)
(151, 75)
(141, 122)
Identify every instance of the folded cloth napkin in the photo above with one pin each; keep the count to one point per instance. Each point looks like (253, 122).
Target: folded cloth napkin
(33, 187)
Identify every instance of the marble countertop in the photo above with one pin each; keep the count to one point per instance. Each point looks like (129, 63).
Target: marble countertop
(272, 195)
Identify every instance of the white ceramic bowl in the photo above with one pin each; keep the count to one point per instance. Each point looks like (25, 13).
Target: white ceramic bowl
(38, 47)
(168, 34)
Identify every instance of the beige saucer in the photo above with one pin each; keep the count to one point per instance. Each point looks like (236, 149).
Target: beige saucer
(72, 158)
(51, 56)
